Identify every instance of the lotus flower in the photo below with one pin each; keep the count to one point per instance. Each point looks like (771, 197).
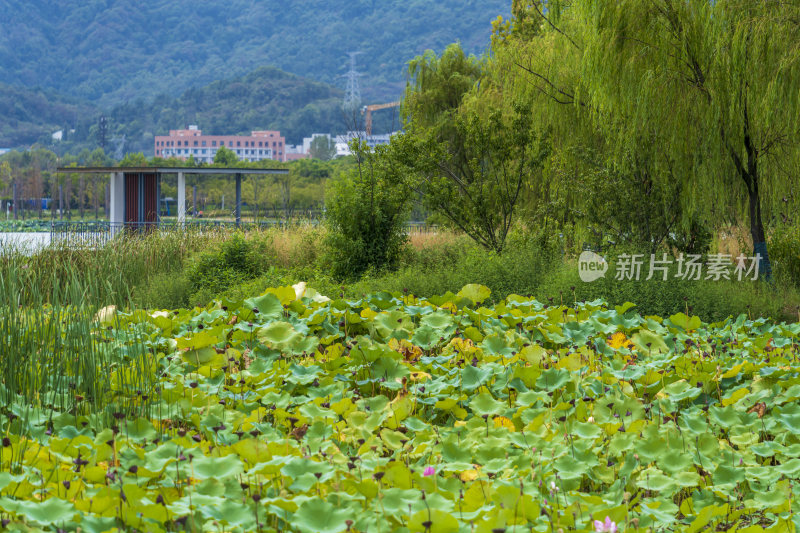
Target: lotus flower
(429, 471)
(607, 526)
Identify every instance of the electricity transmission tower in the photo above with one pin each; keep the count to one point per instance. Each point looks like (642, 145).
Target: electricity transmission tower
(352, 95)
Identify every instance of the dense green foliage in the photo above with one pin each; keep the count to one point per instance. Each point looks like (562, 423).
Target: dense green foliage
(29, 114)
(690, 107)
(367, 211)
(290, 411)
(116, 51)
(267, 98)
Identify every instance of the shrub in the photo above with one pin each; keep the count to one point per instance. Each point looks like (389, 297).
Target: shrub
(367, 208)
(784, 253)
(212, 272)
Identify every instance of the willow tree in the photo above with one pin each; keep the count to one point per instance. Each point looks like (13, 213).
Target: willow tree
(718, 81)
(713, 86)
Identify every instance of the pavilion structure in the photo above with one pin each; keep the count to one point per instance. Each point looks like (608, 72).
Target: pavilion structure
(135, 191)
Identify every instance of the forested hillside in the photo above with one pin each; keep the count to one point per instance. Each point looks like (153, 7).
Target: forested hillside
(116, 51)
(27, 114)
(265, 99)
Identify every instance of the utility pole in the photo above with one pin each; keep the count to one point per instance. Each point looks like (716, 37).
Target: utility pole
(102, 130)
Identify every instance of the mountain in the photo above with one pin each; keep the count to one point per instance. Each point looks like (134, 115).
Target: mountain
(116, 51)
(267, 98)
(28, 115)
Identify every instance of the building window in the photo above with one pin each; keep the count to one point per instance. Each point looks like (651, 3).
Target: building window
(213, 143)
(260, 143)
(204, 143)
(238, 143)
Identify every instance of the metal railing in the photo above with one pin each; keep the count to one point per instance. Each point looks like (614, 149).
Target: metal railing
(97, 233)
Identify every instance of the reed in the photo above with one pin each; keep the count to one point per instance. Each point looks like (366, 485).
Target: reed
(58, 356)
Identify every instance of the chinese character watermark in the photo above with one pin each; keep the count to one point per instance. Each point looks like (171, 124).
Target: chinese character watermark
(689, 267)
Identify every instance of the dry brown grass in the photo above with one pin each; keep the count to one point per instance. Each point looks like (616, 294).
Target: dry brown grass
(296, 245)
(437, 239)
(734, 240)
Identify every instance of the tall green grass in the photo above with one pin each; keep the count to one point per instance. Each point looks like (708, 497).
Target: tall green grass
(57, 354)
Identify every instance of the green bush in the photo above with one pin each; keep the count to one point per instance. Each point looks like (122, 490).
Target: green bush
(367, 208)
(710, 300)
(784, 251)
(519, 269)
(214, 271)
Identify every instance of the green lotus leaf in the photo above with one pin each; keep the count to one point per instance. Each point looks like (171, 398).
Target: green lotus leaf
(685, 323)
(298, 466)
(473, 377)
(440, 521)
(217, 467)
(569, 467)
(268, 305)
(46, 513)
(650, 342)
(97, 524)
(201, 357)
(497, 345)
(389, 322)
(728, 475)
(586, 430)
(681, 390)
(388, 369)
(277, 333)
(475, 293)
(484, 404)
(7, 478)
(653, 479)
(197, 341)
(141, 429)
(438, 320)
(302, 375)
(319, 516)
(673, 461)
(425, 337)
(552, 379)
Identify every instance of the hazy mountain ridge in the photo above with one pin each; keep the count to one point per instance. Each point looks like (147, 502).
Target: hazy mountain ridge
(111, 51)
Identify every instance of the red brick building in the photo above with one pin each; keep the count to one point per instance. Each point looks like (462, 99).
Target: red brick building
(257, 146)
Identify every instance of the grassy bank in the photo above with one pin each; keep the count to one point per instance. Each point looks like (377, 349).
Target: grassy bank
(188, 269)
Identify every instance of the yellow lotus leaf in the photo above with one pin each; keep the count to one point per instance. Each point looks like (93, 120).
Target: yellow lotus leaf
(618, 340)
(504, 422)
(469, 475)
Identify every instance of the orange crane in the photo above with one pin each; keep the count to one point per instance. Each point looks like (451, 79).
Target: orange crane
(368, 109)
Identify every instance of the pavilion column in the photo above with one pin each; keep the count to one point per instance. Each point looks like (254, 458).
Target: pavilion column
(181, 198)
(117, 201)
(238, 200)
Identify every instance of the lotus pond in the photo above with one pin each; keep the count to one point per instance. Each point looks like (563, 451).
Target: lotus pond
(290, 411)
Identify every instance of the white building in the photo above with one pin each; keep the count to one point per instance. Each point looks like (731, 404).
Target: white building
(343, 141)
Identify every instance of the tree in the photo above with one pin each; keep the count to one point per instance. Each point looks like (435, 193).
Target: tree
(323, 148)
(225, 157)
(469, 155)
(367, 208)
(711, 88)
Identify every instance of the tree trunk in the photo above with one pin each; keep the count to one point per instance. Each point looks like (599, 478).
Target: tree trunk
(757, 230)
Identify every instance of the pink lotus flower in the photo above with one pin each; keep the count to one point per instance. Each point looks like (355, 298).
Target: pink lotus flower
(605, 527)
(429, 471)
